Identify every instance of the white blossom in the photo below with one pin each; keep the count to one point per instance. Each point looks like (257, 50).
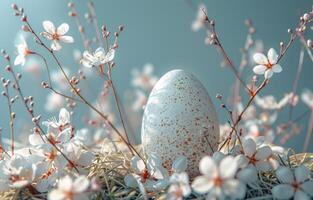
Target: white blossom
(69, 189)
(23, 51)
(145, 79)
(199, 22)
(98, 58)
(179, 187)
(218, 179)
(254, 156)
(267, 65)
(57, 35)
(293, 184)
(307, 98)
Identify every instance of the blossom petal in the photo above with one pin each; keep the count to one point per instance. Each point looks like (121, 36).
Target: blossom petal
(283, 191)
(64, 116)
(272, 56)
(300, 195)
(228, 167)
(207, 166)
(202, 184)
(268, 73)
(302, 173)
(248, 175)
(260, 59)
(49, 27)
(19, 60)
(130, 181)
(249, 147)
(263, 166)
(63, 28)
(66, 184)
(234, 188)
(180, 164)
(109, 56)
(55, 45)
(56, 195)
(137, 164)
(277, 68)
(259, 69)
(307, 187)
(35, 139)
(67, 39)
(263, 153)
(284, 174)
(81, 184)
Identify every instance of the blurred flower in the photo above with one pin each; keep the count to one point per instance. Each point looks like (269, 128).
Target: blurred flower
(267, 65)
(145, 79)
(54, 102)
(56, 34)
(23, 51)
(69, 189)
(79, 158)
(218, 180)
(296, 185)
(98, 58)
(59, 79)
(269, 102)
(140, 101)
(307, 98)
(179, 187)
(199, 22)
(32, 66)
(17, 172)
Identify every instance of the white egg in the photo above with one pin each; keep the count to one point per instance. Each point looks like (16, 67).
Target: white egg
(180, 119)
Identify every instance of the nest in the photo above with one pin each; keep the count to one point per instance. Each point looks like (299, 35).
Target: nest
(111, 168)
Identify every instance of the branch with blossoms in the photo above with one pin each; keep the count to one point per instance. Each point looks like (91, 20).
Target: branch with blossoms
(267, 65)
(56, 35)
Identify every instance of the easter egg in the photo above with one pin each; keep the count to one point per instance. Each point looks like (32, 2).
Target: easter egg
(180, 119)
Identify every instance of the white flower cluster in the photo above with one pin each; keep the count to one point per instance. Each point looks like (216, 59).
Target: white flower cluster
(55, 162)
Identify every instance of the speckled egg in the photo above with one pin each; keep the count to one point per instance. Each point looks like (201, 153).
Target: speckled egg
(180, 119)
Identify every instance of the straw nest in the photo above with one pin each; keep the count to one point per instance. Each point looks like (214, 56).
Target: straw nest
(110, 168)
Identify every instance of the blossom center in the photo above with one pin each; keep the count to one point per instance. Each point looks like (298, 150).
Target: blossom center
(295, 185)
(144, 175)
(51, 156)
(269, 65)
(14, 178)
(253, 160)
(55, 36)
(218, 181)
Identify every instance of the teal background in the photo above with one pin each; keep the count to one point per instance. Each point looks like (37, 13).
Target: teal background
(159, 32)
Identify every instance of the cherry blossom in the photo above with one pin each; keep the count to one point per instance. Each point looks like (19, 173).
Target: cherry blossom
(54, 102)
(140, 101)
(218, 180)
(267, 65)
(145, 79)
(23, 51)
(98, 58)
(152, 177)
(70, 189)
(199, 22)
(307, 98)
(57, 35)
(179, 187)
(294, 183)
(255, 156)
(17, 172)
(269, 102)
